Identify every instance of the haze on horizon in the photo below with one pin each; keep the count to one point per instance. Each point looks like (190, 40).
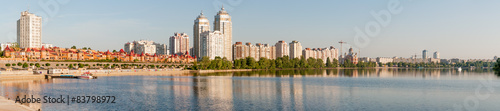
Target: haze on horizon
(455, 28)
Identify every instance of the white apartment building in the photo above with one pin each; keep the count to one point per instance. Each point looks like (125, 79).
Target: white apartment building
(282, 49)
(29, 30)
(295, 49)
(212, 45)
(143, 46)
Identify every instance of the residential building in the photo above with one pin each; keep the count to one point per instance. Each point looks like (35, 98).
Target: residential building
(29, 30)
(201, 25)
(161, 49)
(224, 25)
(295, 49)
(60, 54)
(179, 44)
(424, 54)
(282, 49)
(436, 55)
(212, 45)
(3, 45)
(253, 51)
(321, 53)
(239, 51)
(47, 45)
(384, 60)
(143, 46)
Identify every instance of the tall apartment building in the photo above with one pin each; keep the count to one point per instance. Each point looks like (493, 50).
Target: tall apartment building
(253, 51)
(272, 49)
(211, 45)
(239, 51)
(29, 30)
(201, 25)
(224, 25)
(161, 49)
(295, 49)
(321, 53)
(424, 54)
(144, 46)
(220, 37)
(179, 44)
(264, 50)
(436, 55)
(282, 49)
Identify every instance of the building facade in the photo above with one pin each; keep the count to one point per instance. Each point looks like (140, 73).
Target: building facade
(295, 49)
(29, 30)
(144, 46)
(424, 54)
(436, 55)
(201, 25)
(224, 25)
(211, 45)
(281, 49)
(179, 44)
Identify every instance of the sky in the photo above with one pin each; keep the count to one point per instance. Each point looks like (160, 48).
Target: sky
(467, 29)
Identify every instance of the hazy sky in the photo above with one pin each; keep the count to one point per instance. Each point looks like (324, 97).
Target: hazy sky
(454, 28)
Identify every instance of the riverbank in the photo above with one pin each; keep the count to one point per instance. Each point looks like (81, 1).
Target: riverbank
(9, 105)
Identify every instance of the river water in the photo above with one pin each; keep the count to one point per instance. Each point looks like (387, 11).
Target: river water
(335, 89)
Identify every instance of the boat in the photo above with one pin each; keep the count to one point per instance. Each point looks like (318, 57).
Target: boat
(459, 69)
(86, 75)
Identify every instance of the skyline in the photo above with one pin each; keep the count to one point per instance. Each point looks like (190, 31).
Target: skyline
(77, 21)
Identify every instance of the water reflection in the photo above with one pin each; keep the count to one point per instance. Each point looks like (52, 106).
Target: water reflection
(354, 73)
(332, 89)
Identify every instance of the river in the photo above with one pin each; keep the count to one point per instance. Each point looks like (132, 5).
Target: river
(332, 89)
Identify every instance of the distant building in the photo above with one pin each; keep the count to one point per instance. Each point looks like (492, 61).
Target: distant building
(424, 54)
(295, 49)
(282, 49)
(179, 44)
(494, 58)
(161, 49)
(241, 51)
(212, 45)
(3, 45)
(29, 30)
(384, 60)
(353, 57)
(436, 55)
(321, 53)
(143, 46)
(47, 45)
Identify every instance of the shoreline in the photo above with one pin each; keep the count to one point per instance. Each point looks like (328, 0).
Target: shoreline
(132, 72)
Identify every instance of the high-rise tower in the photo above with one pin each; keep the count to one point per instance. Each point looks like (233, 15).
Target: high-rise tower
(224, 25)
(29, 30)
(201, 25)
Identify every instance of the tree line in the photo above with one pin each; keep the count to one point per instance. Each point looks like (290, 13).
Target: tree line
(279, 63)
(477, 64)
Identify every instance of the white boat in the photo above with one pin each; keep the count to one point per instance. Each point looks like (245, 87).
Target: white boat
(86, 75)
(459, 69)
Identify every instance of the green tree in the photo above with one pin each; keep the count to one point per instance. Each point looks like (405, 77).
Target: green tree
(25, 65)
(73, 47)
(8, 65)
(114, 51)
(19, 64)
(328, 63)
(335, 63)
(84, 48)
(70, 66)
(37, 65)
(47, 64)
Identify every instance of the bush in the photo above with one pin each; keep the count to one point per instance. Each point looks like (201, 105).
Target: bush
(8, 65)
(47, 64)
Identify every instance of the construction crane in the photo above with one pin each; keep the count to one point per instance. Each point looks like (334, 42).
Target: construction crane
(341, 42)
